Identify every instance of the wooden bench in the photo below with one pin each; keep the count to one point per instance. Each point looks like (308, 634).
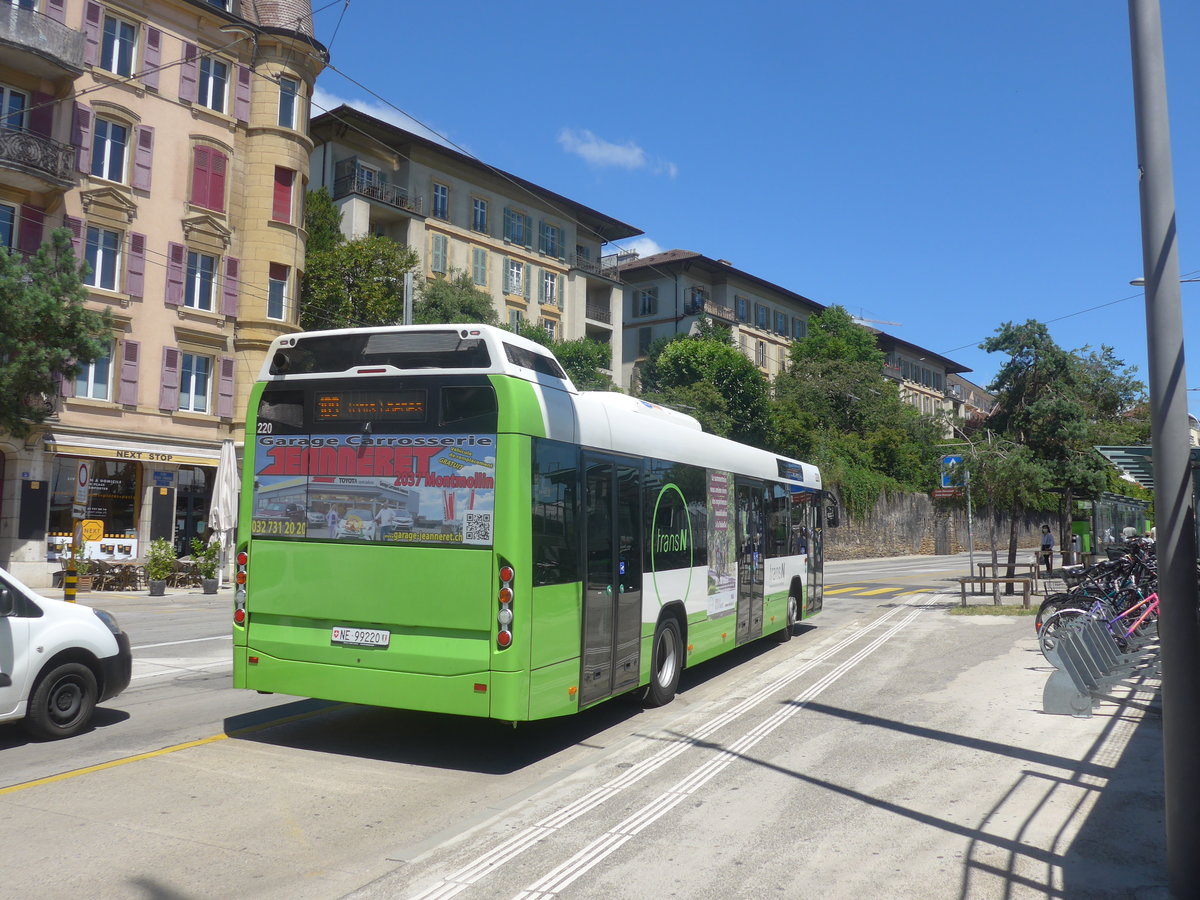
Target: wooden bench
(1025, 583)
(1025, 569)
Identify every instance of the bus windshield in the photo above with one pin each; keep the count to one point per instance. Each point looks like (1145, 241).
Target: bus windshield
(388, 460)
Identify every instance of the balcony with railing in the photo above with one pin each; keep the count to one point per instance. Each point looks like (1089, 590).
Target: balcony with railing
(38, 44)
(599, 311)
(364, 183)
(606, 267)
(34, 162)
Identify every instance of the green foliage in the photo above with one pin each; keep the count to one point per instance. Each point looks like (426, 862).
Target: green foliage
(206, 557)
(322, 221)
(583, 359)
(46, 331)
(453, 300)
(160, 560)
(355, 283)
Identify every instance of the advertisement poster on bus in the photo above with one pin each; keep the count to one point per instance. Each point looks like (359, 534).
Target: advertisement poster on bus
(429, 489)
(722, 547)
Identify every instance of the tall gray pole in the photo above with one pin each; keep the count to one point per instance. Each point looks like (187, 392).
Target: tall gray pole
(1179, 628)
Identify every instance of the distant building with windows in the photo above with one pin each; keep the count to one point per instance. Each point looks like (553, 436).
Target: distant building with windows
(170, 138)
(539, 254)
(668, 291)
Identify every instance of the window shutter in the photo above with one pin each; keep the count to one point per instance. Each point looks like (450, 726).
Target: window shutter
(176, 256)
(66, 386)
(281, 207)
(241, 103)
(507, 280)
(229, 287)
(151, 57)
(438, 255)
(542, 286)
(225, 387)
(57, 10)
(507, 224)
(168, 393)
(200, 167)
(129, 374)
(81, 137)
(543, 237)
(135, 266)
(528, 231)
(216, 181)
(29, 234)
(75, 226)
(41, 117)
(92, 16)
(143, 138)
(188, 74)
(525, 280)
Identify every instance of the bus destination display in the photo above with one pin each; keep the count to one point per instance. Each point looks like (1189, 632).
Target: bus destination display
(378, 406)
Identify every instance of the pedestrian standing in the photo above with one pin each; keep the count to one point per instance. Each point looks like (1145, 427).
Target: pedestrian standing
(386, 517)
(331, 519)
(1047, 548)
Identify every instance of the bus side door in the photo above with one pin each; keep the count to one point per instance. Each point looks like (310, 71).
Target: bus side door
(751, 532)
(612, 586)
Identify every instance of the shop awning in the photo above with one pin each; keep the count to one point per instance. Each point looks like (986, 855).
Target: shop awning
(132, 450)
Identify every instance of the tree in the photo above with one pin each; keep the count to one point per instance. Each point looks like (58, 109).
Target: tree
(355, 284)
(322, 221)
(47, 333)
(455, 299)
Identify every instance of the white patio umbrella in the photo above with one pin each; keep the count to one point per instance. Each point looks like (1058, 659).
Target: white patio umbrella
(222, 515)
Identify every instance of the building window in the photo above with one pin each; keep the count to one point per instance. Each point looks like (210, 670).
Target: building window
(281, 206)
(780, 323)
(201, 273)
(214, 75)
(277, 299)
(109, 141)
(194, 377)
(479, 215)
(551, 328)
(550, 241)
(116, 48)
(645, 335)
(760, 354)
(479, 266)
(515, 317)
(514, 272)
(646, 302)
(548, 290)
(437, 257)
(103, 254)
(741, 309)
(518, 227)
(760, 316)
(8, 226)
(441, 201)
(95, 379)
(208, 178)
(12, 109)
(799, 328)
(289, 88)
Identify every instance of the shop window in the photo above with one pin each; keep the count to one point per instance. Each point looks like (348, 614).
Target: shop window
(112, 498)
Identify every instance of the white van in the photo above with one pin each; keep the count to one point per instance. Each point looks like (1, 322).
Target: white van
(57, 660)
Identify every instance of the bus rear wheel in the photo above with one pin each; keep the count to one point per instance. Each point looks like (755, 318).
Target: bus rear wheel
(666, 664)
(793, 616)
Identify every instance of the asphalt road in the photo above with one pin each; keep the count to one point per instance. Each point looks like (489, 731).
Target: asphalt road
(888, 750)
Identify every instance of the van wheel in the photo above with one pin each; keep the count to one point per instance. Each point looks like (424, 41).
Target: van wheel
(61, 705)
(793, 616)
(666, 664)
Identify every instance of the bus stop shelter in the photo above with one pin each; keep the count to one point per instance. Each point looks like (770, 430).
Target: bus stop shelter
(1138, 463)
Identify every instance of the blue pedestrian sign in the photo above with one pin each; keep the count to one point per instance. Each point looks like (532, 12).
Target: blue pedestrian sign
(952, 475)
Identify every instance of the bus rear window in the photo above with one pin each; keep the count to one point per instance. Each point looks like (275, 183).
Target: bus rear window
(399, 349)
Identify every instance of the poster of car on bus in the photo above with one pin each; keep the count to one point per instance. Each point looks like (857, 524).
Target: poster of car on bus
(411, 488)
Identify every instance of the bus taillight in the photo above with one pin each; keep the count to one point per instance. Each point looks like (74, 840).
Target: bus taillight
(239, 594)
(504, 616)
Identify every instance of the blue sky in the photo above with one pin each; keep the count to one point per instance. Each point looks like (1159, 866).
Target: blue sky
(941, 164)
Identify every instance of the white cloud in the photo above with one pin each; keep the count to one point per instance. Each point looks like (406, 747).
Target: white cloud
(598, 152)
(324, 100)
(643, 245)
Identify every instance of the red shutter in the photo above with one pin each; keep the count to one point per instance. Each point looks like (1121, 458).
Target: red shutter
(41, 117)
(188, 70)
(135, 266)
(241, 105)
(230, 288)
(281, 209)
(129, 374)
(200, 167)
(57, 10)
(176, 256)
(151, 57)
(75, 226)
(216, 181)
(143, 138)
(168, 393)
(81, 137)
(225, 387)
(29, 232)
(93, 14)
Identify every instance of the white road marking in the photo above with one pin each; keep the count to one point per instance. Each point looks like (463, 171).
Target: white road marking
(215, 637)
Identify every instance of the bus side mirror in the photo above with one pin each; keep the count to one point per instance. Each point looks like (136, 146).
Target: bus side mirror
(832, 512)
(6, 602)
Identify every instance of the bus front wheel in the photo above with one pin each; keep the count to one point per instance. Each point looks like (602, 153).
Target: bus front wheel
(793, 616)
(666, 664)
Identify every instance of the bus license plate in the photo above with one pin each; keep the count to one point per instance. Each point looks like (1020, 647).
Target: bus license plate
(360, 637)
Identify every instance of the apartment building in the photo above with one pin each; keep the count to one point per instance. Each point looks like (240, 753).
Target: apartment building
(668, 291)
(169, 137)
(537, 253)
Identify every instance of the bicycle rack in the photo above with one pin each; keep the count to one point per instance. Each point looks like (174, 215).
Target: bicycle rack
(1087, 665)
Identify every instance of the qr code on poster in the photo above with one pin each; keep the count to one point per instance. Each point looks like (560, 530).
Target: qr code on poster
(477, 528)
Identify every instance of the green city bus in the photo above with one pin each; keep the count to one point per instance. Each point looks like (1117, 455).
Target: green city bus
(434, 518)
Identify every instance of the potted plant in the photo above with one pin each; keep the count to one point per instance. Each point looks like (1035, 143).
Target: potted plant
(83, 569)
(160, 563)
(207, 558)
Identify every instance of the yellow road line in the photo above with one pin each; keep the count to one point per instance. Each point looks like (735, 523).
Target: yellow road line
(877, 591)
(842, 590)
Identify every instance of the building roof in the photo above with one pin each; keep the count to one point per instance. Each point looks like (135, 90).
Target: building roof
(346, 118)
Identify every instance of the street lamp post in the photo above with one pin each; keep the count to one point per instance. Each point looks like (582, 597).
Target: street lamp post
(1179, 629)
